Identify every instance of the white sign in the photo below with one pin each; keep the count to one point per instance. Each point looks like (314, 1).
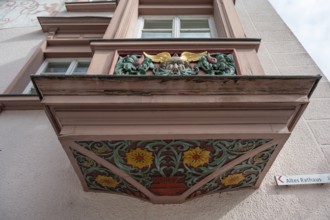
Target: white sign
(302, 179)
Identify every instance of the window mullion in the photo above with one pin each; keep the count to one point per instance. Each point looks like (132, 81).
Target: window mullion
(212, 27)
(42, 68)
(140, 26)
(72, 67)
(176, 27)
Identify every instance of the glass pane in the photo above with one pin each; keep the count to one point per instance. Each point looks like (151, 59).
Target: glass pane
(195, 34)
(81, 68)
(31, 91)
(156, 34)
(194, 24)
(157, 24)
(58, 67)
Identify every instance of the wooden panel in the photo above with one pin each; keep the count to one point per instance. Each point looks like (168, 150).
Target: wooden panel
(232, 19)
(178, 45)
(20, 102)
(128, 20)
(204, 102)
(177, 10)
(249, 62)
(170, 102)
(175, 2)
(192, 85)
(76, 117)
(220, 20)
(123, 21)
(74, 24)
(90, 6)
(101, 62)
(152, 132)
(68, 51)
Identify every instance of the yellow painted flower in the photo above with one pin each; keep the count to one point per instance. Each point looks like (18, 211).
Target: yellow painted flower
(196, 157)
(233, 179)
(139, 158)
(106, 181)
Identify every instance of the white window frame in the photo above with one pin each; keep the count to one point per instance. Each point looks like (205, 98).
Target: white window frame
(72, 67)
(176, 23)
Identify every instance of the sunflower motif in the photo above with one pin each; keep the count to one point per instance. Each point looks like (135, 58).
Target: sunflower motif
(139, 158)
(106, 181)
(233, 179)
(196, 157)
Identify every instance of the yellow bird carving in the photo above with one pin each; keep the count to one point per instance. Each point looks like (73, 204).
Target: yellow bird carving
(185, 56)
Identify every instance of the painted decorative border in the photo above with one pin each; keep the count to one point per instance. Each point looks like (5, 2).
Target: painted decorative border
(170, 167)
(98, 177)
(241, 176)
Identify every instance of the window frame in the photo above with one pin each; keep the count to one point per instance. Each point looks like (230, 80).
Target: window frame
(176, 29)
(74, 62)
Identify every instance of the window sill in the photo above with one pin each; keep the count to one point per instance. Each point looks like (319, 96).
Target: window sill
(19, 102)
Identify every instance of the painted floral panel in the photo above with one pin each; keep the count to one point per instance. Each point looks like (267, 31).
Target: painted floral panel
(170, 167)
(100, 178)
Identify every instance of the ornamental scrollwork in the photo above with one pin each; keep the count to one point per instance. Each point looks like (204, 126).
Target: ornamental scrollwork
(182, 163)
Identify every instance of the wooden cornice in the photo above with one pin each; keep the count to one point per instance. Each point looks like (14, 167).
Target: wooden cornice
(257, 99)
(20, 102)
(69, 25)
(177, 44)
(172, 85)
(168, 9)
(96, 6)
(176, 2)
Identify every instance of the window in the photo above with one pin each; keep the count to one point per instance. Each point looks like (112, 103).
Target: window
(64, 66)
(177, 27)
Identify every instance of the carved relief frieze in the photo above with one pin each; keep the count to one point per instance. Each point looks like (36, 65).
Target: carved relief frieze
(165, 64)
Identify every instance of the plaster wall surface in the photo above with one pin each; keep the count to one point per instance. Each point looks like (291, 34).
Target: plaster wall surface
(38, 182)
(17, 45)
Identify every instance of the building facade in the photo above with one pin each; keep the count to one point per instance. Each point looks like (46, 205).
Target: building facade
(137, 104)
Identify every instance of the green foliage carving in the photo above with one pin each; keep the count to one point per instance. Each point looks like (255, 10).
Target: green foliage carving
(133, 65)
(217, 64)
(212, 64)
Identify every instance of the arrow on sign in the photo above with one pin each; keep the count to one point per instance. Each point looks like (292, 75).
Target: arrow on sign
(279, 178)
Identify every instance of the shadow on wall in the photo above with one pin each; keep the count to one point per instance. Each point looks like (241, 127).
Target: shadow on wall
(9, 71)
(31, 36)
(11, 46)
